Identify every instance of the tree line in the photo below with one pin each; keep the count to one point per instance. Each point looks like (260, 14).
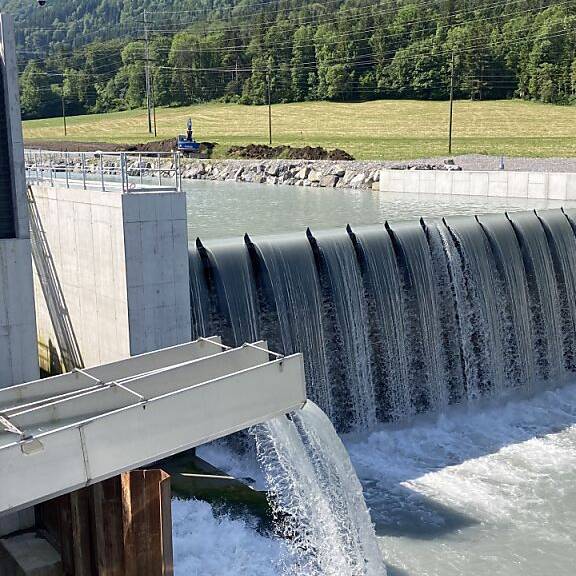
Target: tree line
(298, 50)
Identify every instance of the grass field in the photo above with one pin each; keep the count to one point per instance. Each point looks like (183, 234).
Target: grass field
(386, 129)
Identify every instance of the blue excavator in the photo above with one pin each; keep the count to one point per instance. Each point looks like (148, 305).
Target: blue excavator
(187, 145)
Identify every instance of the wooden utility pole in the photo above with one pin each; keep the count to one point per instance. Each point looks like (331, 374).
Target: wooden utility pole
(268, 81)
(451, 104)
(154, 106)
(147, 72)
(64, 111)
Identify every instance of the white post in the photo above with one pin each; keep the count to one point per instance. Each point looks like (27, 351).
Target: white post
(102, 172)
(84, 170)
(66, 169)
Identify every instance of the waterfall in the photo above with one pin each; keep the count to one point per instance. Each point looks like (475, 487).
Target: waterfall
(342, 284)
(405, 318)
(293, 286)
(389, 332)
(544, 301)
(234, 289)
(425, 328)
(317, 497)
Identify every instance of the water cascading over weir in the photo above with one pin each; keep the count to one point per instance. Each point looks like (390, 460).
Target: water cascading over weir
(406, 318)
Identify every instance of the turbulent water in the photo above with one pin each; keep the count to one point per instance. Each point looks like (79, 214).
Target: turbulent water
(483, 492)
(400, 323)
(317, 497)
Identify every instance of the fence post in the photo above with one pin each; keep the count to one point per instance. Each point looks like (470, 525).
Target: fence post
(122, 171)
(159, 171)
(140, 168)
(178, 173)
(102, 172)
(83, 158)
(66, 169)
(51, 170)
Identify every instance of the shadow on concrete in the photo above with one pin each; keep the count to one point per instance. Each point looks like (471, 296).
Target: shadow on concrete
(71, 356)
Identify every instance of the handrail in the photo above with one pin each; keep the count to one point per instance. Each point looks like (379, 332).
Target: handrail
(100, 170)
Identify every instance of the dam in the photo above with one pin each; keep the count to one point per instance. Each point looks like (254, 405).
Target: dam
(452, 330)
(403, 318)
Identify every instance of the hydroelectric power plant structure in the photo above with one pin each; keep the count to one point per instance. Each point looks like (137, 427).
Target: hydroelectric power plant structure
(442, 349)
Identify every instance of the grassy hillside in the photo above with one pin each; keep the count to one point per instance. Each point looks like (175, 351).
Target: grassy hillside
(387, 129)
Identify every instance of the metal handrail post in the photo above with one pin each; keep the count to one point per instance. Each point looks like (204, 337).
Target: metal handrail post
(66, 169)
(102, 172)
(37, 168)
(122, 174)
(159, 171)
(51, 170)
(83, 158)
(140, 167)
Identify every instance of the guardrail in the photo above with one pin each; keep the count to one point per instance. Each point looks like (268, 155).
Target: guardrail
(106, 171)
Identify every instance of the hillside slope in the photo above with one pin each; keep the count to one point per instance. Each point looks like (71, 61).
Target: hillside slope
(93, 51)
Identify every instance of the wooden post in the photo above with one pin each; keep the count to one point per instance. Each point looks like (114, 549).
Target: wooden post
(148, 520)
(108, 527)
(119, 527)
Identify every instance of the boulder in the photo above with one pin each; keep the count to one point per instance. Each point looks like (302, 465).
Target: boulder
(358, 180)
(272, 170)
(337, 171)
(348, 176)
(329, 181)
(303, 173)
(314, 176)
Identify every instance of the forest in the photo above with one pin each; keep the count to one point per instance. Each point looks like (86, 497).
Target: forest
(91, 55)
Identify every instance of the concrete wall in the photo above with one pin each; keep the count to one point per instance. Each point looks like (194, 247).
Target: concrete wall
(18, 350)
(537, 185)
(18, 357)
(11, 93)
(119, 274)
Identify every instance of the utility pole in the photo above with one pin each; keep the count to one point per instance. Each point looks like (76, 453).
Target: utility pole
(154, 106)
(268, 81)
(147, 71)
(64, 111)
(451, 103)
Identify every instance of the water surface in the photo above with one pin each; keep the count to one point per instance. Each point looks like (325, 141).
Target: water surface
(231, 209)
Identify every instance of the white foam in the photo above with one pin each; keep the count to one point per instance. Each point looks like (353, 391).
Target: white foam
(477, 492)
(210, 545)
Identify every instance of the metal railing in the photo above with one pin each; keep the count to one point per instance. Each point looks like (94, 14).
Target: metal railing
(105, 171)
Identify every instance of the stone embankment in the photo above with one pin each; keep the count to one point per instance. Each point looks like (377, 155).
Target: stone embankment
(320, 173)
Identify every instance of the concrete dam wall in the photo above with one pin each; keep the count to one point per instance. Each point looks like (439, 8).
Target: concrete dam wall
(399, 320)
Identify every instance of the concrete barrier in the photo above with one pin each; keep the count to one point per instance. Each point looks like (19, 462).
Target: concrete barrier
(111, 274)
(503, 184)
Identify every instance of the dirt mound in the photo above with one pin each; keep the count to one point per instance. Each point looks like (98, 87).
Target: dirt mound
(263, 152)
(147, 147)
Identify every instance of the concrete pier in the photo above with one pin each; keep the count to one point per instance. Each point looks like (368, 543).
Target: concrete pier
(18, 361)
(111, 275)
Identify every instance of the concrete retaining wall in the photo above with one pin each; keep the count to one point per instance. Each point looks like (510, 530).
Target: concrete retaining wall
(115, 268)
(542, 185)
(18, 359)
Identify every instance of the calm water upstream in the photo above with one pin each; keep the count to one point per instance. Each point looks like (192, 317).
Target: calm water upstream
(229, 209)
